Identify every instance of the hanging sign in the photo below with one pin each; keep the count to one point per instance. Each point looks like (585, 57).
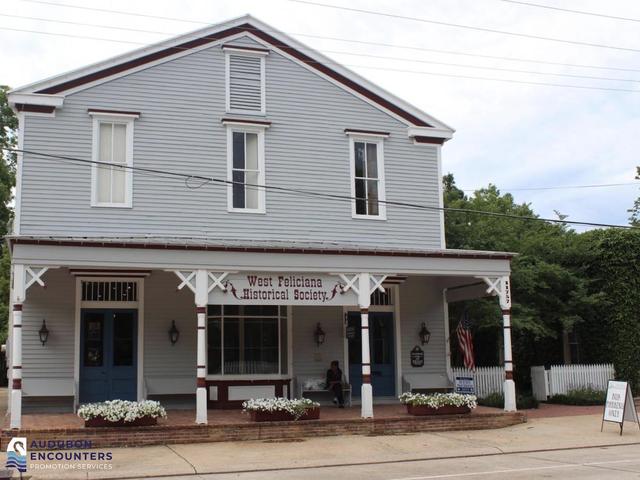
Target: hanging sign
(282, 289)
(619, 405)
(465, 385)
(417, 357)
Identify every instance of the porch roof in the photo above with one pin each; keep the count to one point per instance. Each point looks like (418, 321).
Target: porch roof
(213, 253)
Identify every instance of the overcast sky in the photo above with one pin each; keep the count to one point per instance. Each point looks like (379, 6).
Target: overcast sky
(515, 135)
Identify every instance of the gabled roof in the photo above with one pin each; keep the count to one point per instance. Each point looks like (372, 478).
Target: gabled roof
(31, 97)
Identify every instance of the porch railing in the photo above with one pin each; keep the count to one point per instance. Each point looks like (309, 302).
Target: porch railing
(488, 380)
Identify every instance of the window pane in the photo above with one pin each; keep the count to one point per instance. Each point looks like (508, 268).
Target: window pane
(232, 363)
(372, 160)
(252, 192)
(104, 183)
(252, 151)
(105, 142)
(372, 202)
(361, 204)
(359, 160)
(214, 343)
(261, 310)
(93, 340)
(238, 150)
(118, 184)
(261, 345)
(214, 309)
(238, 189)
(123, 335)
(119, 143)
(284, 351)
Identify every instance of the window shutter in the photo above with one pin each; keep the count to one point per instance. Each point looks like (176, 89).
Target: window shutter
(245, 83)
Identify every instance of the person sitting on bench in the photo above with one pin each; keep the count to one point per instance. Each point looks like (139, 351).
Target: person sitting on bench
(334, 383)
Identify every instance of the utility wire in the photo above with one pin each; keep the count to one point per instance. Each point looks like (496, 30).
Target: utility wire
(569, 10)
(561, 187)
(341, 39)
(467, 27)
(338, 52)
(296, 191)
(419, 72)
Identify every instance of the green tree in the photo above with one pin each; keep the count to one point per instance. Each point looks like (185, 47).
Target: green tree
(634, 219)
(8, 129)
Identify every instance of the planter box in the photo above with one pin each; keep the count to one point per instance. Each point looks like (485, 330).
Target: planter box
(103, 422)
(281, 416)
(426, 410)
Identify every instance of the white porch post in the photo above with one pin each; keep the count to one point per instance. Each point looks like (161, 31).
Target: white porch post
(16, 347)
(364, 301)
(201, 296)
(509, 384)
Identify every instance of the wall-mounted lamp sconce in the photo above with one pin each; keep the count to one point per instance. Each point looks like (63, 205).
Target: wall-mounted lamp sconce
(174, 333)
(43, 333)
(425, 334)
(319, 335)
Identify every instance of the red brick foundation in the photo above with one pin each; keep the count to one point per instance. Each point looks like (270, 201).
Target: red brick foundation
(171, 434)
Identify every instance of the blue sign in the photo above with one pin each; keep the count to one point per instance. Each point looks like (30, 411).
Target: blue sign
(465, 385)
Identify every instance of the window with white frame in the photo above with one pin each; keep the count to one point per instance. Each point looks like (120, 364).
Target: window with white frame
(245, 152)
(247, 340)
(112, 179)
(367, 173)
(245, 81)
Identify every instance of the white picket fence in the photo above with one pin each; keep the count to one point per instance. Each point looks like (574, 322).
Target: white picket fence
(487, 379)
(560, 379)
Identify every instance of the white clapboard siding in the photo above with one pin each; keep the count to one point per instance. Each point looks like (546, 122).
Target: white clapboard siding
(563, 378)
(487, 379)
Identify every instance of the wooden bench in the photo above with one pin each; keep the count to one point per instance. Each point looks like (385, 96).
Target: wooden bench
(426, 382)
(302, 391)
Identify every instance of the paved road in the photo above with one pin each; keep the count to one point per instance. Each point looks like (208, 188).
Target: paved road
(619, 462)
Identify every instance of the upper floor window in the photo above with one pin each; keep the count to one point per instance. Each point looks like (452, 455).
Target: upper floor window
(112, 180)
(367, 174)
(245, 80)
(245, 162)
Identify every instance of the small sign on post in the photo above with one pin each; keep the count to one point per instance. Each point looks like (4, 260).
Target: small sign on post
(465, 385)
(619, 405)
(417, 357)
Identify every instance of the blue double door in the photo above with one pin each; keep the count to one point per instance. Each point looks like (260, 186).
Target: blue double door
(382, 351)
(108, 355)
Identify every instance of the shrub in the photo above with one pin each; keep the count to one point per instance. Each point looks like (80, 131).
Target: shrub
(496, 400)
(117, 410)
(580, 396)
(437, 400)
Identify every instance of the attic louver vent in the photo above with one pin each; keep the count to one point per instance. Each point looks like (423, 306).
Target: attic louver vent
(245, 83)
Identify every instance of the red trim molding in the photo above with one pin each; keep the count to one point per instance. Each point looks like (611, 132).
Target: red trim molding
(201, 309)
(508, 375)
(201, 383)
(506, 311)
(242, 47)
(430, 140)
(246, 27)
(245, 120)
(272, 250)
(366, 378)
(17, 307)
(115, 112)
(366, 132)
(24, 107)
(222, 386)
(16, 384)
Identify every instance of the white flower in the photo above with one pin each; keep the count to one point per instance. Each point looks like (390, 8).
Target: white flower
(116, 410)
(437, 400)
(296, 407)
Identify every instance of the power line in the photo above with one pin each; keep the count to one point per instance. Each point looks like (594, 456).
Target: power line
(296, 191)
(350, 40)
(468, 27)
(419, 72)
(561, 187)
(338, 52)
(569, 10)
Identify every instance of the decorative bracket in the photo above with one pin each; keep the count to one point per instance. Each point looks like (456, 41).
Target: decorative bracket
(192, 278)
(377, 283)
(23, 277)
(217, 282)
(350, 283)
(501, 287)
(188, 279)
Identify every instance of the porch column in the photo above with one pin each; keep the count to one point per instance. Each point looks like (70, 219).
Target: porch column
(364, 301)
(16, 367)
(509, 384)
(201, 296)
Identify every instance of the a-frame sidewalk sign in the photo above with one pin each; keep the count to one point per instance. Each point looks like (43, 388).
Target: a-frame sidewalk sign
(619, 405)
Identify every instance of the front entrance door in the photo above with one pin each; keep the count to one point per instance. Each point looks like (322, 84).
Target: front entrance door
(108, 350)
(382, 348)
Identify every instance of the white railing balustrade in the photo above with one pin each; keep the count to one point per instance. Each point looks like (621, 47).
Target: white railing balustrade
(487, 379)
(560, 379)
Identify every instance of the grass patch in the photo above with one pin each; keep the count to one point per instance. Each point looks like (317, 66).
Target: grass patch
(580, 396)
(496, 400)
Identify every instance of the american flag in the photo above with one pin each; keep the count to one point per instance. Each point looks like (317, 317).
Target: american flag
(466, 341)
